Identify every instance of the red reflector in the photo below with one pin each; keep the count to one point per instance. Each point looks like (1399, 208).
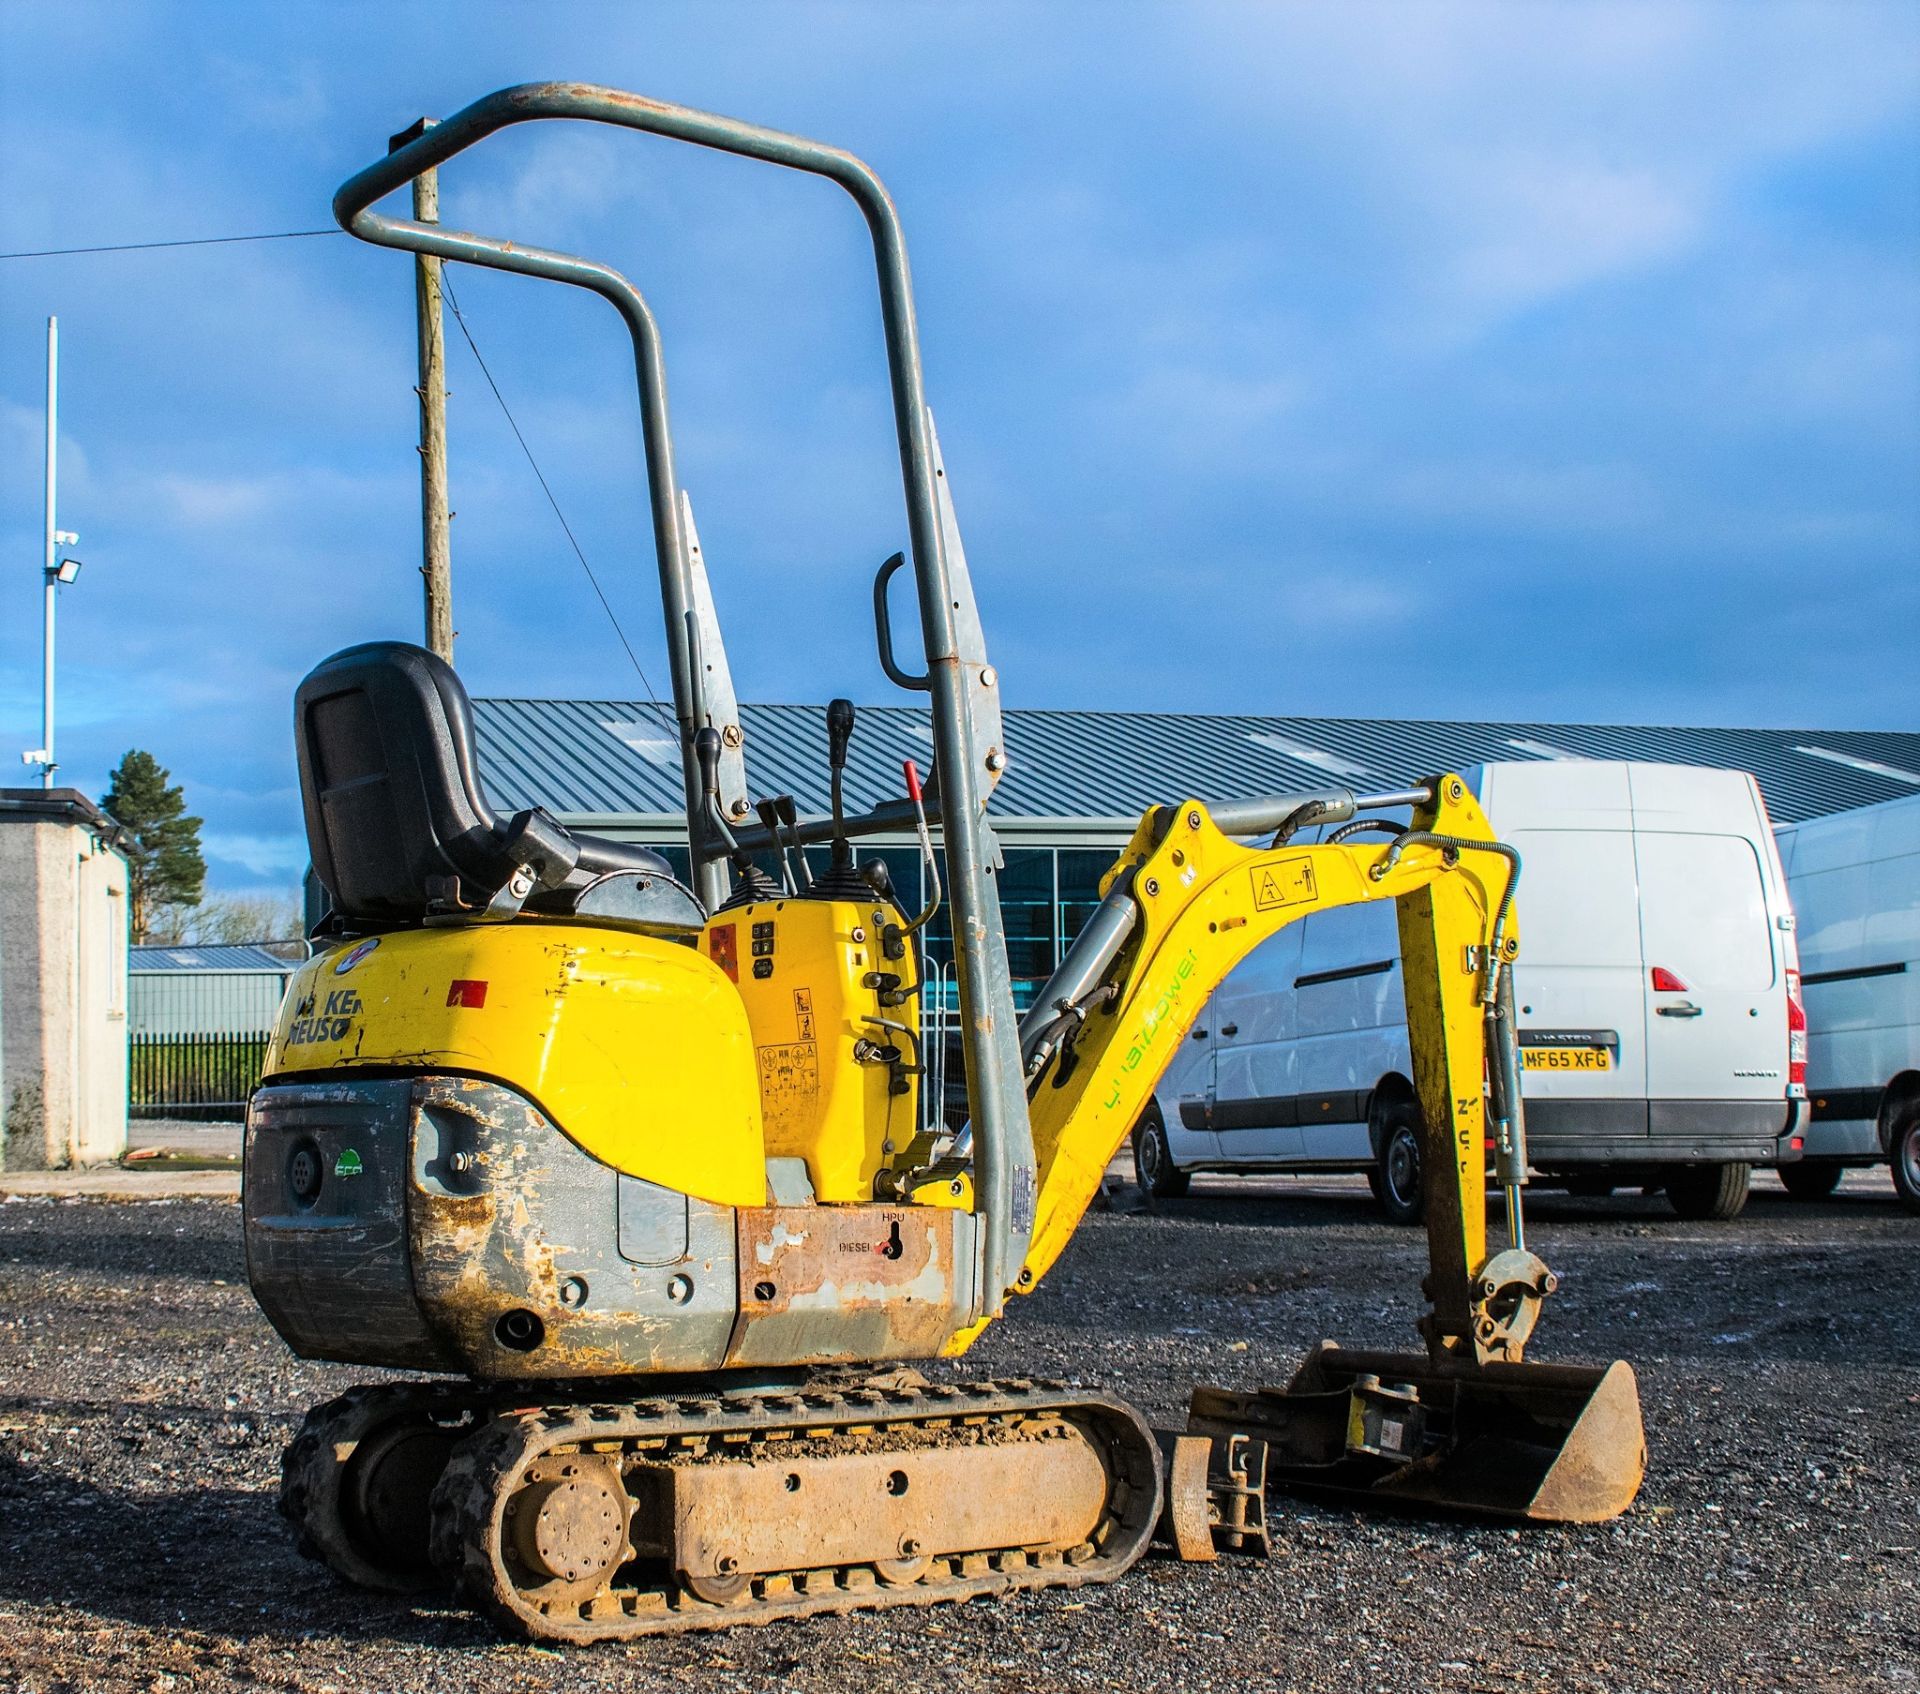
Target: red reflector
(1665, 982)
(1796, 1031)
(461, 992)
(1798, 1143)
(723, 947)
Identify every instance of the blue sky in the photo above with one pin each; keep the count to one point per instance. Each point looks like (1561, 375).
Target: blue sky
(1503, 361)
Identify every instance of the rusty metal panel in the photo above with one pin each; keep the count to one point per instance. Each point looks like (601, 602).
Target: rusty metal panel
(1185, 1522)
(825, 1284)
(516, 1236)
(798, 1511)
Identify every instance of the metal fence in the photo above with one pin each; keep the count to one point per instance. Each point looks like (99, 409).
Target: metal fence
(193, 1076)
(198, 1022)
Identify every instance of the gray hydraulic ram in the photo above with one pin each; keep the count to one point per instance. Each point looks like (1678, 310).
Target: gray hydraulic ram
(995, 1097)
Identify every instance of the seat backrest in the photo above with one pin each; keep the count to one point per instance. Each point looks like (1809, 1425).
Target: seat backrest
(396, 818)
(398, 825)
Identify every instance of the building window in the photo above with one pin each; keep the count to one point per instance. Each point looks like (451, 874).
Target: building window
(1081, 869)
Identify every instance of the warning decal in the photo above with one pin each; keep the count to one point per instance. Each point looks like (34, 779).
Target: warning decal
(1288, 882)
(788, 1072)
(803, 1013)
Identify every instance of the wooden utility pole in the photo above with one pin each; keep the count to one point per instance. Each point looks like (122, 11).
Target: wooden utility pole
(436, 569)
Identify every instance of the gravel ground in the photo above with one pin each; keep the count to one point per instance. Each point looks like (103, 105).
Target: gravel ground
(144, 1402)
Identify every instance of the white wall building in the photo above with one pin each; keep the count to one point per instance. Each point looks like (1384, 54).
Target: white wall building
(64, 898)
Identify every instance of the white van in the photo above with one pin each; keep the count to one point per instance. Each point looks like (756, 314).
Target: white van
(1855, 881)
(1659, 1020)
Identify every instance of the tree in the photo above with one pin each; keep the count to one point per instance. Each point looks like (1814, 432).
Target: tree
(238, 918)
(163, 842)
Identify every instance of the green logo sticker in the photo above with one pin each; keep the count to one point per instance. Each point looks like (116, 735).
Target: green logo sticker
(348, 1164)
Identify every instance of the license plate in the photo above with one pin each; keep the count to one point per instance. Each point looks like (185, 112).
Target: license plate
(1565, 1059)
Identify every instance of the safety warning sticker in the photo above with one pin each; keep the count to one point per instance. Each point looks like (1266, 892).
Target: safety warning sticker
(788, 1071)
(1286, 882)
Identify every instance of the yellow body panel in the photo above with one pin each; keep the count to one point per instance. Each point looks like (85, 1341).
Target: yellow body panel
(637, 1048)
(801, 967)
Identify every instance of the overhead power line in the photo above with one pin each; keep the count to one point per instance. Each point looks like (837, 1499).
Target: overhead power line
(149, 246)
(606, 605)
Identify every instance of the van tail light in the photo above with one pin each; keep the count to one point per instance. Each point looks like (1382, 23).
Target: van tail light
(1665, 982)
(1796, 1033)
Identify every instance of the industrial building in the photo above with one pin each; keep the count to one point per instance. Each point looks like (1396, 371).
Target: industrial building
(205, 990)
(1077, 782)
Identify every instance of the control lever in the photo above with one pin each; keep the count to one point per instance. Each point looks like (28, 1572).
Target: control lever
(893, 937)
(790, 822)
(842, 880)
(769, 812)
(706, 751)
(839, 733)
(917, 795)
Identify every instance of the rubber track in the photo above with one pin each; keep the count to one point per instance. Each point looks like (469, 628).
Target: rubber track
(310, 1473)
(484, 1468)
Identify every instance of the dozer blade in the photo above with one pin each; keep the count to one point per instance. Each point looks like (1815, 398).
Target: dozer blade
(1554, 1443)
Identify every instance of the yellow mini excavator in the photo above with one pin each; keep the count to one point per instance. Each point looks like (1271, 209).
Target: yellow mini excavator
(644, 1177)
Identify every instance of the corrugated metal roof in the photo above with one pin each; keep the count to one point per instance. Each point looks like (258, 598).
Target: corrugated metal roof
(154, 956)
(616, 758)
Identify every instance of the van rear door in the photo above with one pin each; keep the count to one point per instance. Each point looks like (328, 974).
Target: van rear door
(1580, 985)
(1716, 1012)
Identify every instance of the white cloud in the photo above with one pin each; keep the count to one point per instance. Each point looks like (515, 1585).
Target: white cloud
(262, 855)
(1557, 224)
(1505, 154)
(208, 502)
(1515, 494)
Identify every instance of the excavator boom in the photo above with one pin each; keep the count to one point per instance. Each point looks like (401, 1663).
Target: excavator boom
(1469, 1426)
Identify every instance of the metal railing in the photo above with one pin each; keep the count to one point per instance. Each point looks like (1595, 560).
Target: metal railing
(193, 1076)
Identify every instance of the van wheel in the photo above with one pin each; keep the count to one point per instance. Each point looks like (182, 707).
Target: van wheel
(1158, 1177)
(1813, 1179)
(1904, 1145)
(1395, 1177)
(1702, 1192)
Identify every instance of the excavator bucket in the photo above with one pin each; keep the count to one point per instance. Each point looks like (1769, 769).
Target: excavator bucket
(1554, 1443)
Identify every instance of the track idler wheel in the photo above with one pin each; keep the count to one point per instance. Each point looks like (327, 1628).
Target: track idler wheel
(357, 1480)
(567, 1528)
(902, 1572)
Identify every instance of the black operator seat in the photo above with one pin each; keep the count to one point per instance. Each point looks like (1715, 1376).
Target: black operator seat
(400, 830)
